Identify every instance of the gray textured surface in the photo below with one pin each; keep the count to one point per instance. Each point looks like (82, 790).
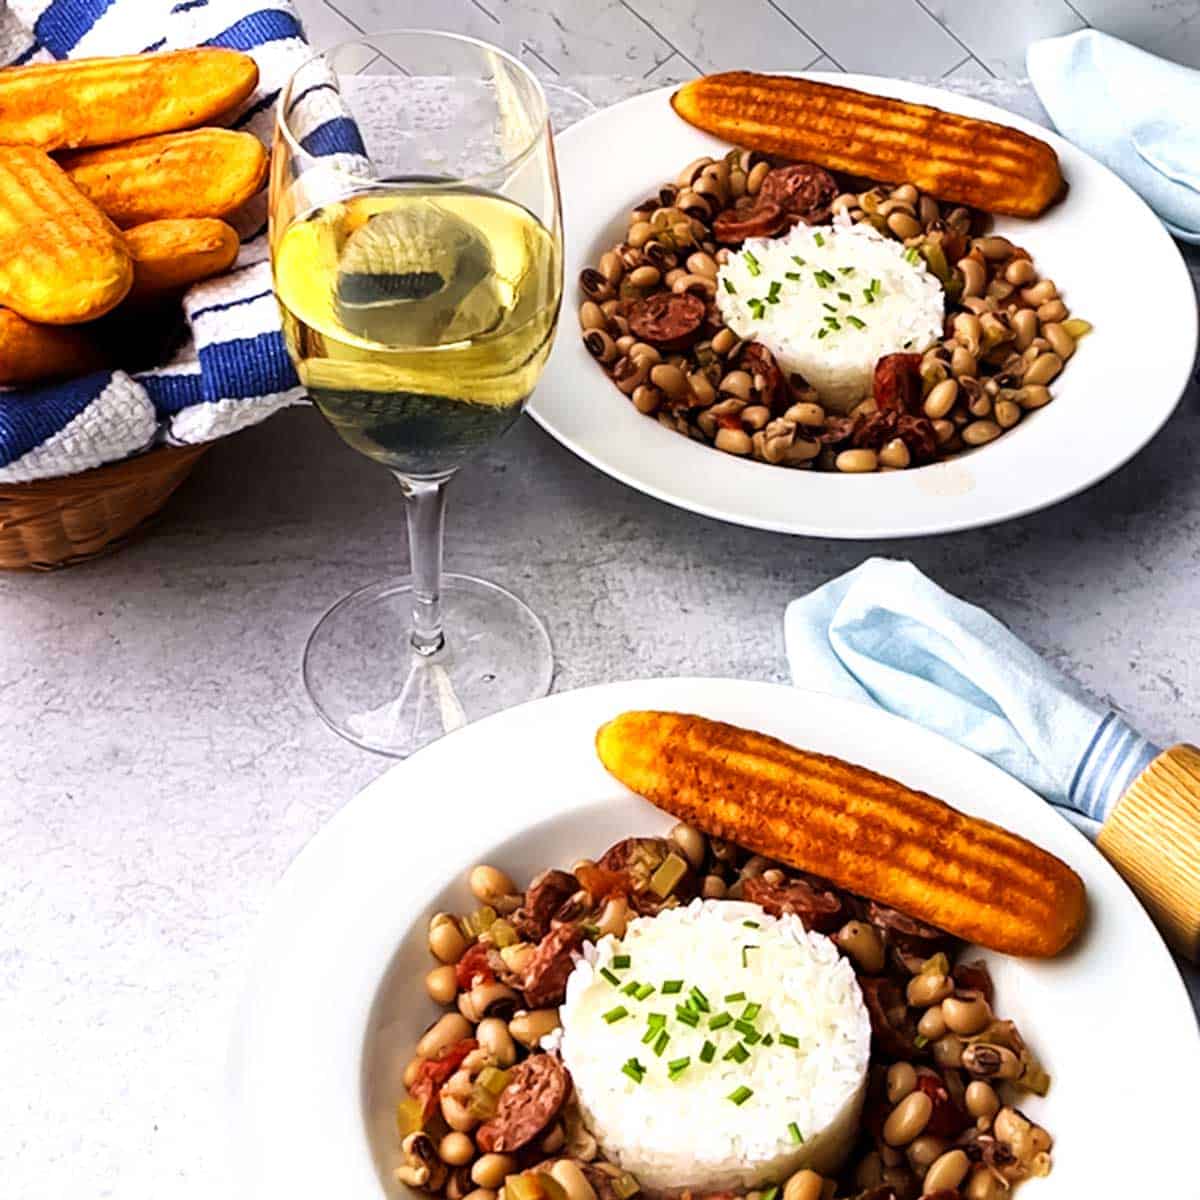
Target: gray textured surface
(164, 765)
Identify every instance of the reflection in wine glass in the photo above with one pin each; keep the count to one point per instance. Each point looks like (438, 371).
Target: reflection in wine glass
(417, 255)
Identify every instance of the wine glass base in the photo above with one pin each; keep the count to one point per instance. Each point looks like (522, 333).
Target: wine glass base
(372, 687)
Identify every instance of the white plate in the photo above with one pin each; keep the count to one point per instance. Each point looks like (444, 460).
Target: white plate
(335, 1000)
(1116, 265)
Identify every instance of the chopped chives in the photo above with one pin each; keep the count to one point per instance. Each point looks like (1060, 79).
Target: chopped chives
(912, 256)
(856, 322)
(621, 961)
(820, 241)
(650, 1034)
(751, 1011)
(634, 1070)
(920, 1041)
(736, 1053)
(831, 307)
(708, 1052)
(798, 260)
(687, 1016)
(607, 974)
(820, 334)
(677, 1066)
(700, 998)
(868, 295)
(720, 1021)
(771, 1193)
(744, 949)
(656, 1020)
(768, 1040)
(645, 990)
(729, 286)
(833, 323)
(734, 997)
(786, 1039)
(845, 270)
(748, 1032)
(819, 276)
(875, 285)
(792, 275)
(671, 986)
(757, 308)
(740, 1095)
(630, 989)
(751, 263)
(615, 1014)
(794, 1130)
(660, 1043)
(772, 296)
(845, 296)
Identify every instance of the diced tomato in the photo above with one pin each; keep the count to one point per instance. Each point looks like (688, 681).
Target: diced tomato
(433, 1073)
(473, 968)
(947, 1119)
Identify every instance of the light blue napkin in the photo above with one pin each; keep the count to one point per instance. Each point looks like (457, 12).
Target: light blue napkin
(1135, 112)
(886, 635)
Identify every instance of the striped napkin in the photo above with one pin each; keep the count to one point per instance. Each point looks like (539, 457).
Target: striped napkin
(884, 634)
(233, 370)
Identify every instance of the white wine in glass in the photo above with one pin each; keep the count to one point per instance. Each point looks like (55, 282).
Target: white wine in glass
(416, 247)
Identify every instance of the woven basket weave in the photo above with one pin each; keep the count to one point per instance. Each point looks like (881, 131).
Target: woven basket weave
(54, 523)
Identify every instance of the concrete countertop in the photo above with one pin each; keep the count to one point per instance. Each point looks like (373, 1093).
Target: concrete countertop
(164, 765)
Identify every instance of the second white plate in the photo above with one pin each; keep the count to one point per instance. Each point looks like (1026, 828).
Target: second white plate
(1109, 254)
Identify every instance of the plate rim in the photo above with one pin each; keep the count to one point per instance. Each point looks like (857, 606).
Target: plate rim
(676, 495)
(276, 942)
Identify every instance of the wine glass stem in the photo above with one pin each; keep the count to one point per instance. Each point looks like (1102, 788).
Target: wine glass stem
(425, 503)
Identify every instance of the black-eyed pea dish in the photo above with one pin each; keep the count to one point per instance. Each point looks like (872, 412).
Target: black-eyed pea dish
(1004, 333)
(491, 1111)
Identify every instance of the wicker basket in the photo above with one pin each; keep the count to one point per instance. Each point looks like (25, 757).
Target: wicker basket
(54, 523)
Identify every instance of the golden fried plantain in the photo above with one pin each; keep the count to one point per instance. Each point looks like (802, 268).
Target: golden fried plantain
(97, 101)
(168, 256)
(62, 261)
(961, 159)
(199, 173)
(862, 831)
(32, 353)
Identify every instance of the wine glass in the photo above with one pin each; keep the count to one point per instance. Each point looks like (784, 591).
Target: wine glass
(416, 246)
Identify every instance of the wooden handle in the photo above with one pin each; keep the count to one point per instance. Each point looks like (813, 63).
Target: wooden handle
(1152, 837)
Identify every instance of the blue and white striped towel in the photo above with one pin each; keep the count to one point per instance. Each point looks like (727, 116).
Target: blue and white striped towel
(234, 370)
(886, 635)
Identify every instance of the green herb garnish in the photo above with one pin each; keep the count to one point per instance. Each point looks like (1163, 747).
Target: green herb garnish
(631, 988)
(736, 1053)
(818, 238)
(605, 973)
(687, 1016)
(671, 986)
(621, 961)
(708, 1052)
(751, 263)
(701, 1000)
(757, 308)
(734, 997)
(720, 1021)
(661, 1043)
(792, 275)
(846, 297)
(842, 271)
(645, 990)
(796, 1135)
(634, 1070)
(798, 260)
(920, 1041)
(786, 1039)
(856, 322)
(751, 1011)
(729, 286)
(740, 1095)
(768, 1040)
(676, 1067)
(616, 1014)
(747, 1031)
(744, 949)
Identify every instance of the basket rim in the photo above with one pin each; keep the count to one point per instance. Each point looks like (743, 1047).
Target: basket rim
(107, 475)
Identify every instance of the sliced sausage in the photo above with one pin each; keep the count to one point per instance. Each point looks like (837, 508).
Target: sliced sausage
(817, 909)
(544, 980)
(873, 431)
(543, 898)
(476, 966)
(892, 1025)
(897, 383)
(739, 223)
(776, 394)
(536, 1090)
(805, 192)
(974, 977)
(666, 320)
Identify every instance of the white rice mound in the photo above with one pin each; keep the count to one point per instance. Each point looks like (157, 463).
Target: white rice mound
(905, 313)
(686, 1133)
